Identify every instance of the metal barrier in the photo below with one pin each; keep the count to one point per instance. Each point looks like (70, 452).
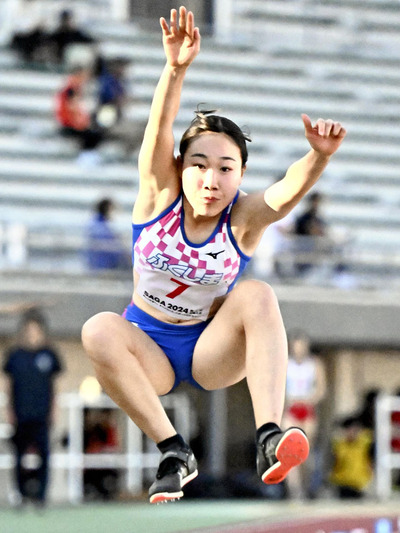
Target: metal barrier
(138, 453)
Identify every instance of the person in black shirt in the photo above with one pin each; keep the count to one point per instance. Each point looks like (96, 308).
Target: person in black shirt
(67, 33)
(309, 228)
(31, 366)
(311, 222)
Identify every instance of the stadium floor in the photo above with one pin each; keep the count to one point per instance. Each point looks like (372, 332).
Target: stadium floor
(224, 516)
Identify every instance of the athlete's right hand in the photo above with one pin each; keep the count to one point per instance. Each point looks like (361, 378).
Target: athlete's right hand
(181, 39)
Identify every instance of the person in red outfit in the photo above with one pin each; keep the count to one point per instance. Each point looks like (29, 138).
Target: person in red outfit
(71, 112)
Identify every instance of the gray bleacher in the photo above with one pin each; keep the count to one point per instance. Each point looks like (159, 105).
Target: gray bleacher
(328, 59)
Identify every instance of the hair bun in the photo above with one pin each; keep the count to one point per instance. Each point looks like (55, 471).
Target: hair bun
(203, 112)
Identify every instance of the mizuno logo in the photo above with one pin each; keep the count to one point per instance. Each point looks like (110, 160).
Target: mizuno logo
(215, 254)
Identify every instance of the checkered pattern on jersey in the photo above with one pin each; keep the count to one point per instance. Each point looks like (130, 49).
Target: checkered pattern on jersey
(165, 237)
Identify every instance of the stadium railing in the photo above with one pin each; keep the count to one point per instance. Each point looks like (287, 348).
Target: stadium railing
(137, 454)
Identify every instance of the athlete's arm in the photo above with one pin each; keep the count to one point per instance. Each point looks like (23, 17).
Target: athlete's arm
(324, 138)
(254, 212)
(158, 170)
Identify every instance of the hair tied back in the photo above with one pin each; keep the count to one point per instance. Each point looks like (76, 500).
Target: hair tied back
(202, 112)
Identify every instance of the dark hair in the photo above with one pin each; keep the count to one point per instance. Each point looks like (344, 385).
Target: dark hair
(103, 207)
(298, 334)
(66, 15)
(33, 314)
(350, 421)
(315, 196)
(205, 121)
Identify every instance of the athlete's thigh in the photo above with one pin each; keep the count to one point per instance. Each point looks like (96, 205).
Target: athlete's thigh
(112, 336)
(219, 355)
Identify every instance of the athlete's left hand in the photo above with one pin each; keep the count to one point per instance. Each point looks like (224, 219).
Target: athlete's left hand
(181, 39)
(326, 136)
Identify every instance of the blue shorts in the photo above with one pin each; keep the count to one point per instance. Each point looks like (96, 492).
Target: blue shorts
(176, 341)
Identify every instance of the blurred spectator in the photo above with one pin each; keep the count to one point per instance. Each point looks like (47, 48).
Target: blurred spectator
(311, 222)
(33, 45)
(352, 449)
(105, 249)
(305, 389)
(100, 435)
(41, 45)
(31, 365)
(25, 29)
(113, 98)
(343, 278)
(309, 228)
(367, 411)
(112, 92)
(73, 117)
(66, 34)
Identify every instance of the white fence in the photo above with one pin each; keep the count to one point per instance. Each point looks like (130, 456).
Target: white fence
(137, 453)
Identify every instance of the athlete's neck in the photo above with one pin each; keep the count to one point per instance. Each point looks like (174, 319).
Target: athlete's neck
(198, 227)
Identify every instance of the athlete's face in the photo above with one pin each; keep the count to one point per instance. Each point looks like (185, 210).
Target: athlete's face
(211, 173)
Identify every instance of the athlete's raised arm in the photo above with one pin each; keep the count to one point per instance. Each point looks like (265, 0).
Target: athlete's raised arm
(256, 211)
(157, 164)
(324, 138)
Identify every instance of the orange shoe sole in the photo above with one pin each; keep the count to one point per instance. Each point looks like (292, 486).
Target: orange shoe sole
(292, 450)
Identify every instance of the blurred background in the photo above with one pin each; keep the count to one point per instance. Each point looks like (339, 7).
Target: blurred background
(68, 184)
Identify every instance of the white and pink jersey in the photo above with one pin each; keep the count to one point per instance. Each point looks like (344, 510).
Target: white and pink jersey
(179, 277)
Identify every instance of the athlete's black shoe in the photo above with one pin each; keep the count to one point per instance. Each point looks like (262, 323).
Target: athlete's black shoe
(177, 467)
(278, 452)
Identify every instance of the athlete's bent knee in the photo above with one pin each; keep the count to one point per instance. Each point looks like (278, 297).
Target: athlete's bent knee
(255, 290)
(95, 334)
(257, 298)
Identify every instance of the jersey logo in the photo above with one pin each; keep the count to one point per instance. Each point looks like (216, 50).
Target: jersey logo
(215, 254)
(184, 271)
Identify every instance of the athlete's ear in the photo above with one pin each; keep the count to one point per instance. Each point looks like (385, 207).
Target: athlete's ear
(244, 167)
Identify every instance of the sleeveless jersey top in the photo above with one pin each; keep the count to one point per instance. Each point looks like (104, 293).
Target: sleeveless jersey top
(301, 378)
(181, 278)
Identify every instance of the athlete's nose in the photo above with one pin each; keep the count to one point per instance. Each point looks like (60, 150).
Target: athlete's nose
(210, 180)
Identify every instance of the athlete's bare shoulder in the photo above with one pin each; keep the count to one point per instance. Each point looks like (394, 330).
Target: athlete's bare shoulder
(250, 217)
(250, 209)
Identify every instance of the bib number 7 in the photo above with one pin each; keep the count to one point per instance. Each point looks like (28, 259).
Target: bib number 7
(179, 290)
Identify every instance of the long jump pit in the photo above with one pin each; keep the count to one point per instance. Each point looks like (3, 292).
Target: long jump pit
(327, 517)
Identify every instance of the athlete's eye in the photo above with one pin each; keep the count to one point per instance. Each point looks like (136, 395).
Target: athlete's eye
(199, 165)
(225, 169)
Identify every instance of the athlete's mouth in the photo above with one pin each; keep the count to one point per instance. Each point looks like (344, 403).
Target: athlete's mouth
(209, 199)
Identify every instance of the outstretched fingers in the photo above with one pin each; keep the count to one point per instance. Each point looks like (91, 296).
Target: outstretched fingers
(184, 23)
(164, 26)
(174, 24)
(182, 19)
(181, 39)
(171, 28)
(189, 24)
